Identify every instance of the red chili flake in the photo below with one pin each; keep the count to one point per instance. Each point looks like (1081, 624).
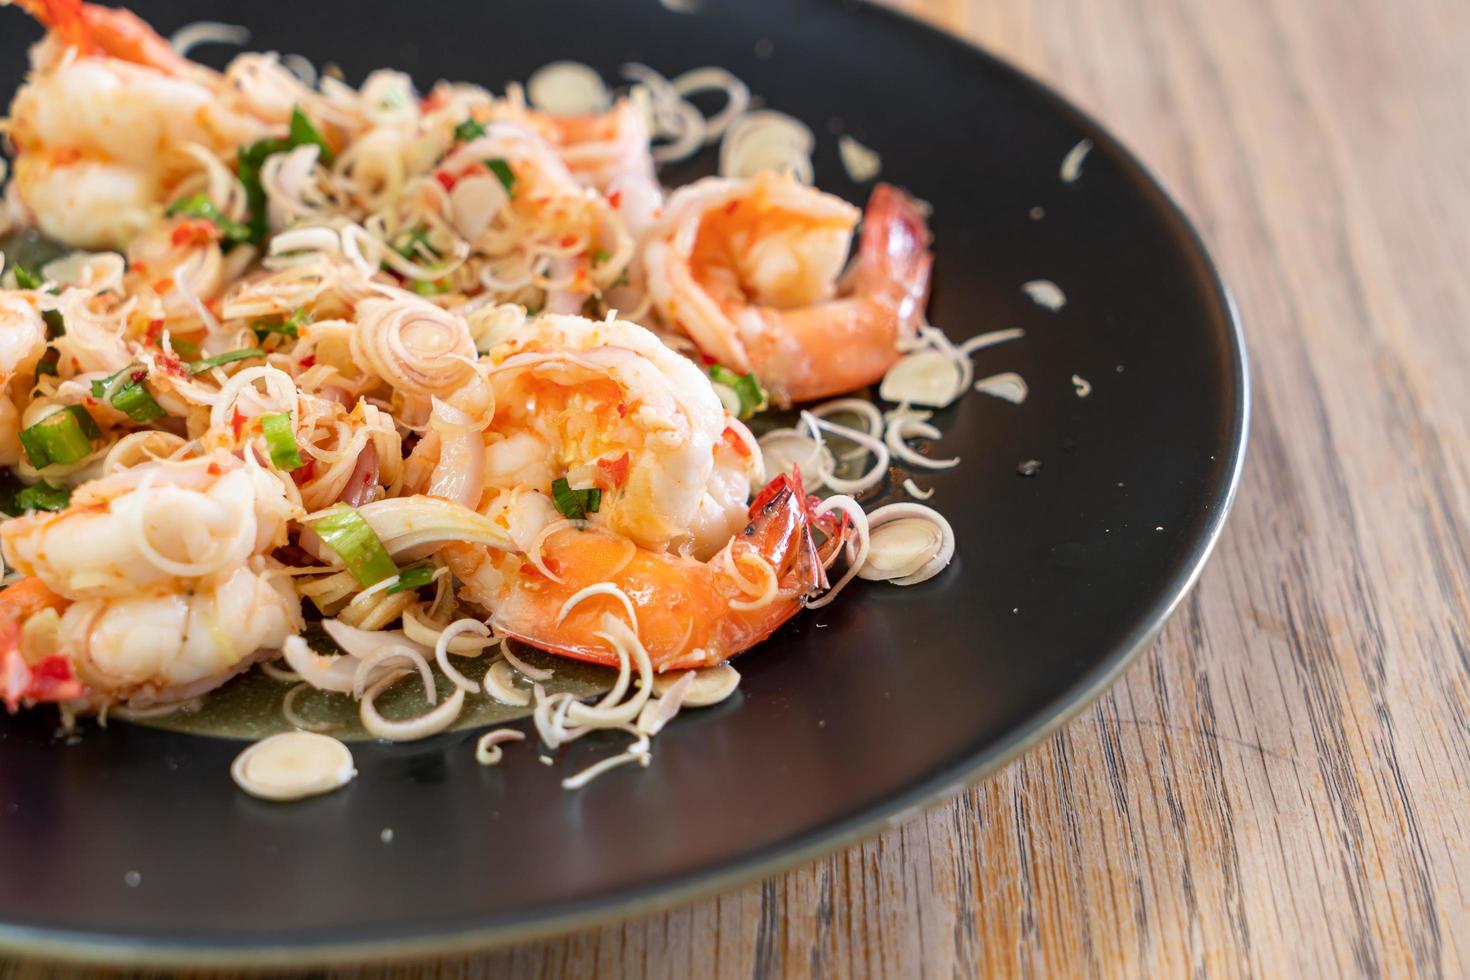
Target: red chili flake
(448, 180)
(214, 469)
(307, 361)
(155, 331)
(568, 241)
(707, 359)
(163, 286)
(730, 439)
(237, 423)
(195, 231)
(615, 198)
(612, 473)
(141, 268)
(730, 208)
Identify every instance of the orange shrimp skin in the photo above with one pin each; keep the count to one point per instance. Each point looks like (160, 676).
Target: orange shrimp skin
(115, 31)
(52, 678)
(684, 615)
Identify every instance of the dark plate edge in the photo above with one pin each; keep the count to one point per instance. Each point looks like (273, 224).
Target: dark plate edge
(66, 946)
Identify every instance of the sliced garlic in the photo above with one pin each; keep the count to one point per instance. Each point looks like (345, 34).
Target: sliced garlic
(1044, 292)
(293, 766)
(1007, 385)
(711, 685)
(924, 377)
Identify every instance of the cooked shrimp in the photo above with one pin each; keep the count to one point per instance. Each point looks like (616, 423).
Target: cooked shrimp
(687, 613)
(598, 148)
(105, 102)
(606, 404)
(159, 525)
(749, 270)
(22, 342)
(42, 678)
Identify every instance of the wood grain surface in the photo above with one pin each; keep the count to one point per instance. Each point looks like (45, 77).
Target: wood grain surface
(1281, 787)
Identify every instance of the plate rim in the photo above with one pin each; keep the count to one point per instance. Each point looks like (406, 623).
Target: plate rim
(459, 937)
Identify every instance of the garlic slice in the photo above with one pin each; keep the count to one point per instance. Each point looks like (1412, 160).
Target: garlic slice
(293, 766)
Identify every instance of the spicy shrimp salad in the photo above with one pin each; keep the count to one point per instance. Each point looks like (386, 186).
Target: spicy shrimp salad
(444, 373)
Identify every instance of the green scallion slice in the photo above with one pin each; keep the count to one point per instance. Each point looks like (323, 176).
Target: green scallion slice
(575, 504)
(413, 577)
(125, 392)
(280, 439)
(347, 533)
(43, 496)
(27, 278)
(227, 357)
(752, 396)
(61, 438)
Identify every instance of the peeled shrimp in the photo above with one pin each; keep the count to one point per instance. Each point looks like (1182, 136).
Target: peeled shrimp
(92, 126)
(686, 613)
(749, 270)
(22, 342)
(606, 404)
(159, 525)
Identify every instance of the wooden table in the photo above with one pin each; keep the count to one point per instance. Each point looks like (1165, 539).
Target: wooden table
(1280, 786)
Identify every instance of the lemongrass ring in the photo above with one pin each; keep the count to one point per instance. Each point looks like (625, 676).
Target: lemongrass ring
(857, 554)
(431, 722)
(533, 673)
(901, 427)
(942, 553)
(293, 766)
(658, 712)
(441, 651)
(598, 588)
(499, 684)
(487, 746)
(711, 685)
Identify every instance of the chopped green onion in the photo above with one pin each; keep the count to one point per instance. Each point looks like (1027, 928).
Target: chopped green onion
(600, 255)
(426, 288)
(409, 241)
(227, 357)
(55, 323)
(60, 438)
(413, 577)
(125, 392)
(752, 396)
(468, 130)
(304, 133)
(280, 439)
(347, 533)
(200, 206)
(26, 278)
(249, 161)
(43, 496)
(575, 504)
(183, 348)
(502, 170)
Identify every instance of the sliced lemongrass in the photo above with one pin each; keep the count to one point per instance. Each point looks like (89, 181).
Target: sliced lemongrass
(904, 426)
(1007, 385)
(914, 491)
(785, 449)
(598, 588)
(441, 651)
(862, 163)
(711, 685)
(923, 377)
(293, 766)
(860, 407)
(293, 717)
(1045, 293)
(269, 669)
(567, 88)
(634, 754)
(901, 539)
(658, 712)
(500, 685)
(984, 340)
(431, 722)
(487, 746)
(1072, 162)
(533, 673)
(856, 546)
(870, 477)
(1083, 386)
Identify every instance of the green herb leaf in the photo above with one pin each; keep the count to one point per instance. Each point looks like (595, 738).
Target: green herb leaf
(304, 133)
(43, 496)
(426, 288)
(575, 504)
(413, 577)
(502, 170)
(126, 393)
(200, 206)
(47, 363)
(227, 357)
(280, 440)
(60, 438)
(290, 326)
(412, 245)
(349, 534)
(468, 130)
(27, 278)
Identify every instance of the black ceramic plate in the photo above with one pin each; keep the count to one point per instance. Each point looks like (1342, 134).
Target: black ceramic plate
(848, 718)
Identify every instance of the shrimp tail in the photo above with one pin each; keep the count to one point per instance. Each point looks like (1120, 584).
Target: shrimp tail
(52, 677)
(894, 258)
(115, 31)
